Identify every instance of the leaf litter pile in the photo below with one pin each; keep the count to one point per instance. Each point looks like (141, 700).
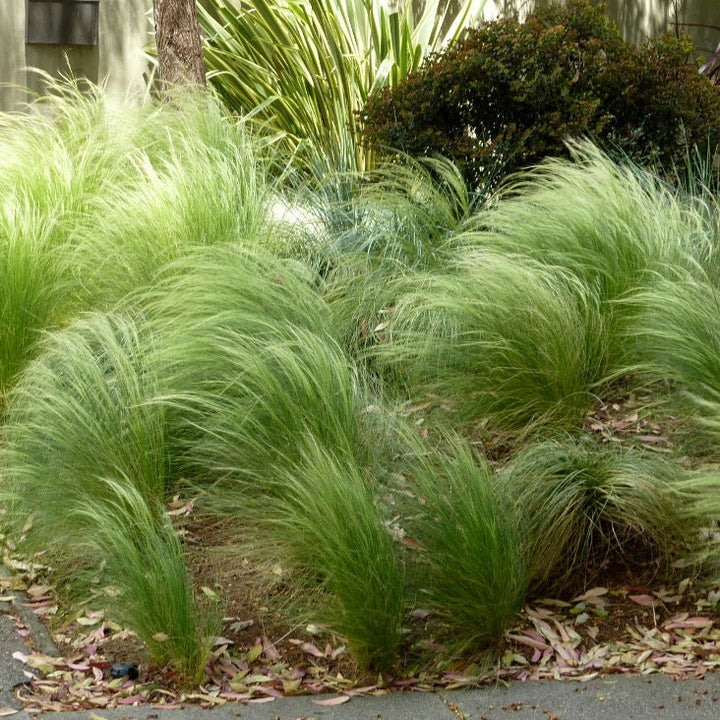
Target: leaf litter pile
(620, 627)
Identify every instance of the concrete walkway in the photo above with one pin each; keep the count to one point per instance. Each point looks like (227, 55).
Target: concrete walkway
(616, 697)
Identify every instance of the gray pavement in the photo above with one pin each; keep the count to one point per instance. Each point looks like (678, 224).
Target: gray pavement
(616, 697)
(657, 697)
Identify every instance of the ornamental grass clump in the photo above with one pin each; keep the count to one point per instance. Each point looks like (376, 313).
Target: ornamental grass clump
(97, 197)
(470, 562)
(504, 341)
(81, 412)
(613, 225)
(203, 182)
(249, 363)
(676, 336)
(34, 293)
(147, 587)
(266, 398)
(405, 220)
(586, 507)
(327, 518)
(54, 169)
(275, 423)
(85, 468)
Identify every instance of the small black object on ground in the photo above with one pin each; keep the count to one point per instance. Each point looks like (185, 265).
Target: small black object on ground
(122, 669)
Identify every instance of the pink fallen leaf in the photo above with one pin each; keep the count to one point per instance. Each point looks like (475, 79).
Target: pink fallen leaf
(691, 622)
(310, 649)
(37, 591)
(131, 700)
(529, 641)
(339, 700)
(269, 650)
(568, 654)
(644, 600)
(82, 667)
(625, 422)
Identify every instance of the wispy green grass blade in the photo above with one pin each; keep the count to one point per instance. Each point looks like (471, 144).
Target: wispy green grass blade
(204, 182)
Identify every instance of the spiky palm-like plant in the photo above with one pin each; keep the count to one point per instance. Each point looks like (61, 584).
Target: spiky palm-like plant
(304, 69)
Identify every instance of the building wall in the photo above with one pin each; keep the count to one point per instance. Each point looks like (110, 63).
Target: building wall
(640, 20)
(125, 28)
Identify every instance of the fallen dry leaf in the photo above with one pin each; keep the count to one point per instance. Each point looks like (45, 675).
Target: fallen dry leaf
(339, 700)
(644, 600)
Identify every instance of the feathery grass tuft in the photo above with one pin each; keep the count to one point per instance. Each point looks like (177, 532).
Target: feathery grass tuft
(80, 413)
(85, 468)
(472, 563)
(676, 336)
(143, 565)
(500, 338)
(584, 504)
(97, 197)
(611, 225)
(249, 362)
(203, 182)
(326, 516)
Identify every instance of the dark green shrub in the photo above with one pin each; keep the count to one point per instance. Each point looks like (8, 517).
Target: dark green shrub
(513, 92)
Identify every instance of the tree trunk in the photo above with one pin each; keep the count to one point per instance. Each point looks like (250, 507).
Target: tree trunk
(179, 50)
